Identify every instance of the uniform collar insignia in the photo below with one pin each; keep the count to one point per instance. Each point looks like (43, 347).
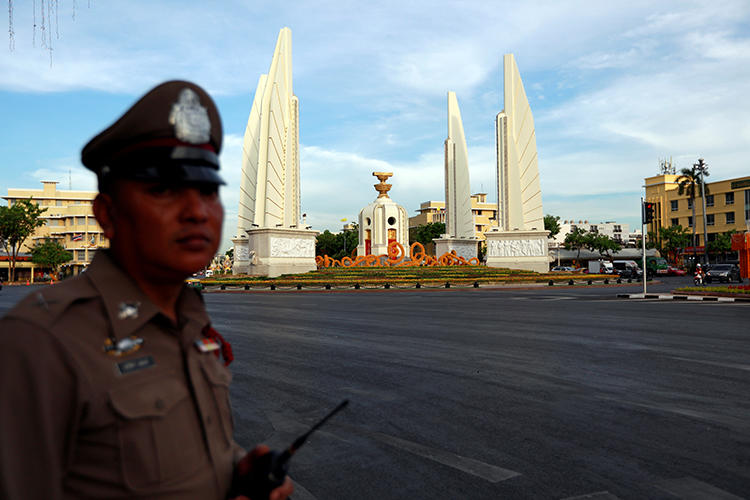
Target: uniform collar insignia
(128, 310)
(127, 345)
(190, 119)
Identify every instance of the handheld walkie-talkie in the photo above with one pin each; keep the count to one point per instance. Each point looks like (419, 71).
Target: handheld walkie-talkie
(269, 470)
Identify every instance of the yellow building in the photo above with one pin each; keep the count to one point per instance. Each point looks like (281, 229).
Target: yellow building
(69, 219)
(434, 211)
(727, 206)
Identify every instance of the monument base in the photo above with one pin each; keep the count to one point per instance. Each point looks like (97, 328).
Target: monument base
(275, 251)
(464, 247)
(524, 250)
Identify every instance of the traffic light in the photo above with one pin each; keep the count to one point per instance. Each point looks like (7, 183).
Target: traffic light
(649, 209)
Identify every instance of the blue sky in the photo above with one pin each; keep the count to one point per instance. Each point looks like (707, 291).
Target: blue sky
(614, 87)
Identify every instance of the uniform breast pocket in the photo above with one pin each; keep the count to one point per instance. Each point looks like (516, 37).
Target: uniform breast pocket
(160, 438)
(219, 378)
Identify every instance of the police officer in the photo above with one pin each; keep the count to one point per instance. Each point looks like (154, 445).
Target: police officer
(113, 384)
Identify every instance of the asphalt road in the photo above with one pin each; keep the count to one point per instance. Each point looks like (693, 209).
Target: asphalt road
(548, 393)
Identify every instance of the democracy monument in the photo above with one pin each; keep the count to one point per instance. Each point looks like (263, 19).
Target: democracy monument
(519, 240)
(459, 221)
(382, 222)
(270, 240)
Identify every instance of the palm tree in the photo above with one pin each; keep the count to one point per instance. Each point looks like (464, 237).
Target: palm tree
(689, 182)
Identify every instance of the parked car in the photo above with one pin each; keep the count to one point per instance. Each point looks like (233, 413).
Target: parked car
(723, 273)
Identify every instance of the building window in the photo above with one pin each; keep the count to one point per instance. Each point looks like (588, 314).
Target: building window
(729, 198)
(709, 219)
(673, 204)
(594, 228)
(80, 255)
(709, 200)
(711, 237)
(80, 221)
(690, 221)
(618, 228)
(690, 203)
(730, 217)
(747, 205)
(675, 221)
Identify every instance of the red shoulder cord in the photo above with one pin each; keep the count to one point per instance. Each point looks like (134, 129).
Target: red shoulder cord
(226, 347)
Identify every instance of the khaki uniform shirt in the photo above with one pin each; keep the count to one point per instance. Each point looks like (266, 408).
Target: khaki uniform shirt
(79, 422)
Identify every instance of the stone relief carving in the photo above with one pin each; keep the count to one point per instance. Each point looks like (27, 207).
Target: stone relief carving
(241, 252)
(292, 247)
(465, 251)
(516, 248)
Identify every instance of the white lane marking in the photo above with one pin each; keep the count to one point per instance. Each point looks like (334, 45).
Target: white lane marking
(689, 488)
(491, 473)
(599, 495)
(715, 418)
(714, 363)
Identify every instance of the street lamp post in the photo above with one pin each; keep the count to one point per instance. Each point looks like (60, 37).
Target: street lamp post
(702, 167)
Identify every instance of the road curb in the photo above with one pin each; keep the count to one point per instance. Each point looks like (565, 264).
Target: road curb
(659, 296)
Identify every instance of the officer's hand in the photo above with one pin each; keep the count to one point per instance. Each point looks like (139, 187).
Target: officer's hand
(244, 468)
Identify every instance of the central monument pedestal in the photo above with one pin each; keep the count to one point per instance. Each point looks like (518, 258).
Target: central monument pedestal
(275, 251)
(464, 247)
(526, 250)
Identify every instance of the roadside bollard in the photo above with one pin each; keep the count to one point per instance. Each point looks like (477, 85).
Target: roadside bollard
(299, 287)
(356, 286)
(223, 287)
(589, 282)
(417, 286)
(476, 284)
(447, 285)
(387, 285)
(551, 283)
(273, 287)
(328, 286)
(247, 287)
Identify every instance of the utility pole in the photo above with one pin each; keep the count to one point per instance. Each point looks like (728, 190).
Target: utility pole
(702, 167)
(643, 244)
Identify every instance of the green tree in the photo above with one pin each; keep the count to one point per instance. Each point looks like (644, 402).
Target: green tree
(577, 239)
(602, 244)
(689, 182)
(230, 253)
(425, 233)
(347, 240)
(325, 243)
(50, 253)
(552, 224)
(337, 245)
(673, 240)
(722, 244)
(17, 223)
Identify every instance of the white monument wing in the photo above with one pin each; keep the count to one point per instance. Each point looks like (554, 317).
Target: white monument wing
(519, 192)
(459, 221)
(269, 190)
